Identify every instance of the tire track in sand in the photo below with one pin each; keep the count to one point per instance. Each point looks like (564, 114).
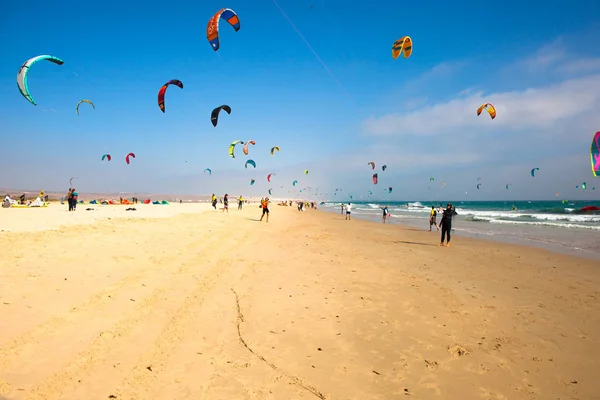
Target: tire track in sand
(92, 304)
(87, 361)
(137, 384)
(101, 301)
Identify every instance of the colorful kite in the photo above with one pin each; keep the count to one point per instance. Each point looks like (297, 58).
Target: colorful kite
(402, 45)
(24, 71)
(533, 171)
(162, 91)
(490, 109)
(127, 157)
(107, 156)
(595, 154)
(251, 162)
(252, 142)
(375, 179)
(83, 101)
(372, 164)
(212, 29)
(273, 150)
(232, 147)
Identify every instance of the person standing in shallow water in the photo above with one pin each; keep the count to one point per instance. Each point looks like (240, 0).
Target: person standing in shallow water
(446, 224)
(348, 211)
(386, 212)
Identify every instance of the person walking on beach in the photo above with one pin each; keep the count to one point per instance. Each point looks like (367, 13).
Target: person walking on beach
(74, 197)
(432, 219)
(226, 203)
(265, 208)
(240, 202)
(348, 211)
(213, 200)
(386, 212)
(70, 199)
(446, 224)
(342, 208)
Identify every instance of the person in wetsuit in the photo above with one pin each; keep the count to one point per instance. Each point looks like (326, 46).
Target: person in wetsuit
(446, 223)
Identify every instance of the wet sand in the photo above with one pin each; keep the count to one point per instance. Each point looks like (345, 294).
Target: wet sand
(199, 304)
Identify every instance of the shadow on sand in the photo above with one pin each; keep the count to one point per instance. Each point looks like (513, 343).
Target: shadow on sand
(417, 243)
(253, 219)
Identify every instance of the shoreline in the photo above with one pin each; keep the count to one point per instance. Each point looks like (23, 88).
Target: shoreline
(421, 222)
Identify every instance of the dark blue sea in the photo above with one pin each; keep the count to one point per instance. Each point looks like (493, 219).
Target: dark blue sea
(557, 225)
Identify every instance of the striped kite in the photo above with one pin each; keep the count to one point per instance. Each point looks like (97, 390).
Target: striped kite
(402, 45)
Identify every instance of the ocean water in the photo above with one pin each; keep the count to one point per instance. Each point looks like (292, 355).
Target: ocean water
(555, 225)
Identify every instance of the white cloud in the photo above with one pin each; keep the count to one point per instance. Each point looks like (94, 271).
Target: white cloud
(556, 57)
(530, 108)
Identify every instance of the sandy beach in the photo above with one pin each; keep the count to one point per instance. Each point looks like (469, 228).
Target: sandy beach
(184, 302)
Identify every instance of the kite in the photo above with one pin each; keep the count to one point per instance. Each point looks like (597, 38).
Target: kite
(270, 190)
(390, 189)
(478, 185)
(432, 179)
(273, 150)
(214, 116)
(71, 180)
(232, 147)
(251, 162)
(584, 185)
(107, 156)
(162, 91)
(294, 183)
(595, 154)
(375, 179)
(252, 182)
(383, 168)
(209, 171)
(127, 157)
(252, 142)
(533, 171)
(372, 164)
(402, 45)
(510, 184)
(490, 109)
(305, 172)
(212, 29)
(83, 101)
(24, 71)
(269, 177)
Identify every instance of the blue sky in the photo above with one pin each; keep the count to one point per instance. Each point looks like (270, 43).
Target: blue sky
(416, 115)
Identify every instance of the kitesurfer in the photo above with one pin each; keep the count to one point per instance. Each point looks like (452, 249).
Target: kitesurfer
(213, 200)
(446, 224)
(265, 208)
(385, 212)
(432, 219)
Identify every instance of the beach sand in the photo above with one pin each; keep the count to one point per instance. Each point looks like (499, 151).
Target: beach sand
(203, 305)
